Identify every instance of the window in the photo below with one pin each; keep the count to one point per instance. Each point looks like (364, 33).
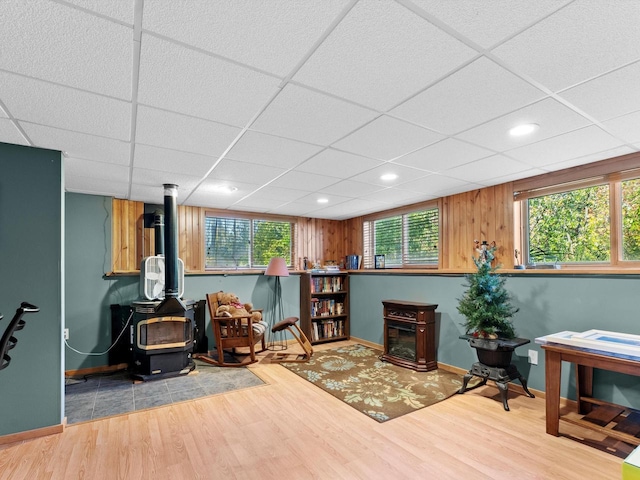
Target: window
(631, 219)
(570, 226)
(245, 242)
(590, 222)
(406, 240)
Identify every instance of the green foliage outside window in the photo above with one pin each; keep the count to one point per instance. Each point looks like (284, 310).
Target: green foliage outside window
(271, 239)
(570, 226)
(245, 243)
(631, 219)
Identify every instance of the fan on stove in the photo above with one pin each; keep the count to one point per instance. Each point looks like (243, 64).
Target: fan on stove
(153, 277)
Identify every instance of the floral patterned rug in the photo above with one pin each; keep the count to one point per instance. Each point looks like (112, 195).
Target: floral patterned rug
(356, 375)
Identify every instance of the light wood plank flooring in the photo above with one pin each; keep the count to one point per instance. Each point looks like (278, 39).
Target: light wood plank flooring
(289, 429)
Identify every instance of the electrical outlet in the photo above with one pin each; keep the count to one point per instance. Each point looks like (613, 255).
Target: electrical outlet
(533, 357)
(66, 334)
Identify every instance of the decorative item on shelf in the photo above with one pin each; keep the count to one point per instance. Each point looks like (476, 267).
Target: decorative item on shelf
(518, 265)
(379, 261)
(277, 268)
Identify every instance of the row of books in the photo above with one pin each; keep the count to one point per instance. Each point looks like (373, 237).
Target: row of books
(326, 284)
(353, 262)
(323, 308)
(327, 329)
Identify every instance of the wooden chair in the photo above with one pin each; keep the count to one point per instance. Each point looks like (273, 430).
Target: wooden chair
(231, 333)
(288, 324)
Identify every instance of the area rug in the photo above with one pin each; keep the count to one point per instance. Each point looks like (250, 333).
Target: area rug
(383, 391)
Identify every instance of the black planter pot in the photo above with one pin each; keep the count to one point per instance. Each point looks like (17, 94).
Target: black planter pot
(495, 352)
(500, 357)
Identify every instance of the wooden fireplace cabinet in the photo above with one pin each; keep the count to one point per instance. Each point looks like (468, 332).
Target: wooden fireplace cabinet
(408, 316)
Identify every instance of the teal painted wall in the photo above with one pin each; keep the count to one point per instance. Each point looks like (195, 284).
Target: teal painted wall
(548, 304)
(89, 293)
(31, 269)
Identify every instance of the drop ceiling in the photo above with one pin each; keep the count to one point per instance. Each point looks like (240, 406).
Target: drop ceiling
(289, 102)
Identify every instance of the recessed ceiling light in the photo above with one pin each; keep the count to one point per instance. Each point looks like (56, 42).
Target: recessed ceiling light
(524, 129)
(323, 200)
(227, 189)
(387, 177)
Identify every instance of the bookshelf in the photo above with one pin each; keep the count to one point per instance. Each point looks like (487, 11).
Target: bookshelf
(324, 306)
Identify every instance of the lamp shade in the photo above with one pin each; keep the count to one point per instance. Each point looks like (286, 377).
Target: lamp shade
(277, 268)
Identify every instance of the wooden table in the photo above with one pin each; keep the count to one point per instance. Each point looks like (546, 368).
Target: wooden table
(585, 361)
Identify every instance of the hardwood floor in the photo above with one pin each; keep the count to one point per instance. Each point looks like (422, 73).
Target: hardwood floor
(289, 429)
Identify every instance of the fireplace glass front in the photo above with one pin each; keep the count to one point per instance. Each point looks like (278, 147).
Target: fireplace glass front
(401, 338)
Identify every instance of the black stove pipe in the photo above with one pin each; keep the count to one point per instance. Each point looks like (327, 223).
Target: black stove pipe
(158, 227)
(171, 287)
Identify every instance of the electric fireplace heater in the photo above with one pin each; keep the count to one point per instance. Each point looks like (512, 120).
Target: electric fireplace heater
(162, 338)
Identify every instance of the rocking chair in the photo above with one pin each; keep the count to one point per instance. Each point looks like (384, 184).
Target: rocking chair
(231, 333)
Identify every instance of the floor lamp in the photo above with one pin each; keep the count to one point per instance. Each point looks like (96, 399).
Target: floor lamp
(277, 268)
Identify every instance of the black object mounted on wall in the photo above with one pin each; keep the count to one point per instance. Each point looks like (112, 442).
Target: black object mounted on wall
(8, 340)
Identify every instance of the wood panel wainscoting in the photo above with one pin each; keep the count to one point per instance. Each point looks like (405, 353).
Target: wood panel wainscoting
(247, 434)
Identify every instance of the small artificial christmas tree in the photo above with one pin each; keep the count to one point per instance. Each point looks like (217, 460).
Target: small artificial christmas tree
(486, 304)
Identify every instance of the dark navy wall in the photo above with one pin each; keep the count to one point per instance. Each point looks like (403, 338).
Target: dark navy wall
(31, 269)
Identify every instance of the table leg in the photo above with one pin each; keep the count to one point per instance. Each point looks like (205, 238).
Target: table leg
(553, 366)
(584, 387)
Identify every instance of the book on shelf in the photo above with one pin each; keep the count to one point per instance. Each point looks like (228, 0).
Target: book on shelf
(354, 262)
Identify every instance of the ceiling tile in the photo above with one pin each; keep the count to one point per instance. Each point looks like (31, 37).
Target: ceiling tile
(386, 138)
(308, 116)
(279, 193)
(110, 172)
(565, 147)
(273, 36)
(116, 9)
(446, 154)
(313, 198)
(176, 78)
(505, 17)
(350, 209)
(172, 160)
(156, 178)
(47, 104)
(96, 186)
(380, 54)
(206, 194)
(352, 189)
(398, 196)
(581, 41)
(331, 160)
(404, 174)
(601, 97)
(437, 185)
(276, 151)
(180, 132)
(294, 179)
(10, 134)
(232, 170)
(79, 145)
(486, 168)
(297, 209)
(477, 93)
(591, 157)
(626, 127)
(67, 46)
(552, 117)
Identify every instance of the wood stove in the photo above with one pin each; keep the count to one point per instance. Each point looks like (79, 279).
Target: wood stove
(162, 338)
(410, 334)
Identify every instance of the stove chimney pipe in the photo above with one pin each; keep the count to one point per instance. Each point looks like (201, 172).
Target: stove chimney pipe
(171, 288)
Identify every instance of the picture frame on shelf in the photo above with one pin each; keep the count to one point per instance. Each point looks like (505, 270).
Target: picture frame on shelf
(379, 261)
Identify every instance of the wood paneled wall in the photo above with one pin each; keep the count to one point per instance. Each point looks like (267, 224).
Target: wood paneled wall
(485, 214)
(127, 235)
(319, 240)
